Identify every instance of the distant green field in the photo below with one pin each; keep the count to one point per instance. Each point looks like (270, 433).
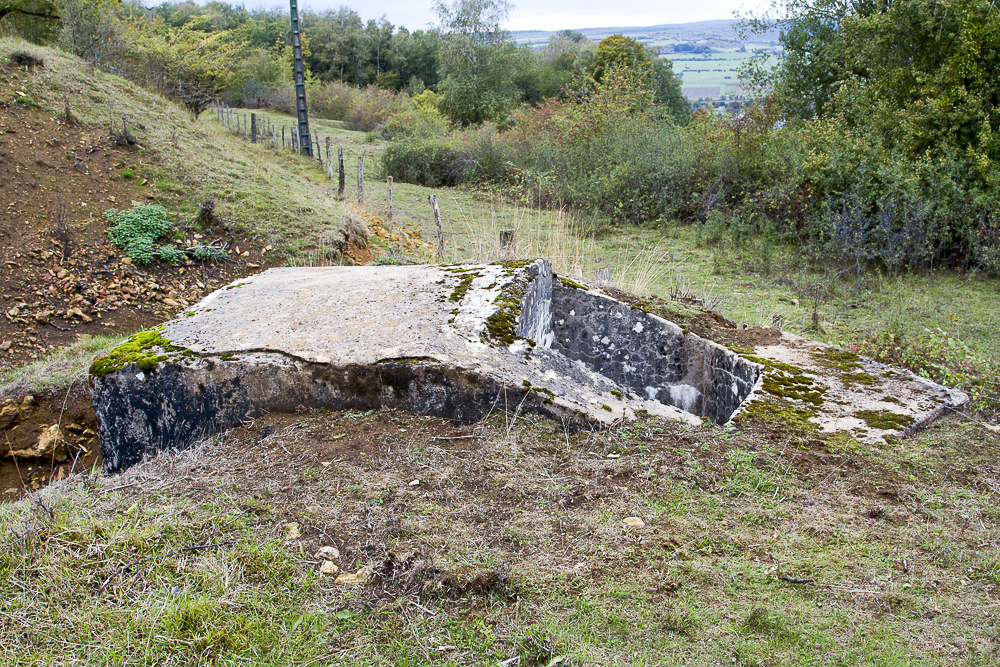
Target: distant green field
(710, 70)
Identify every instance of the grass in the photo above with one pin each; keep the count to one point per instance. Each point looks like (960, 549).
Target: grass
(61, 368)
(512, 545)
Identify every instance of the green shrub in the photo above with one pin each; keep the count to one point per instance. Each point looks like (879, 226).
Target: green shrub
(430, 161)
(205, 253)
(135, 231)
(170, 254)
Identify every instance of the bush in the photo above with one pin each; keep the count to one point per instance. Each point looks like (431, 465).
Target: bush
(329, 100)
(430, 161)
(371, 107)
(364, 109)
(135, 231)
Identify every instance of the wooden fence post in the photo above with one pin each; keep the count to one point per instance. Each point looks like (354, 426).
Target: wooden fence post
(388, 200)
(437, 221)
(329, 164)
(361, 181)
(506, 242)
(341, 176)
(253, 128)
(319, 151)
(282, 137)
(274, 136)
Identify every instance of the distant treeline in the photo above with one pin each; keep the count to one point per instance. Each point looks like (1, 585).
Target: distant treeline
(243, 56)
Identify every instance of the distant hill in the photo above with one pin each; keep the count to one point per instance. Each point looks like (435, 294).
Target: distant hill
(721, 31)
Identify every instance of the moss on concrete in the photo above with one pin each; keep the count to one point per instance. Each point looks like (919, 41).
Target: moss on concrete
(501, 326)
(885, 420)
(570, 283)
(145, 349)
(464, 284)
(837, 359)
(788, 381)
(769, 412)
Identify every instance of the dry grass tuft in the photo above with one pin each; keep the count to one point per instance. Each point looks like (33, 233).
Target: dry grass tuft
(61, 368)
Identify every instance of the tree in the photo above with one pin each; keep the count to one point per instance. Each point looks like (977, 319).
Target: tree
(414, 58)
(565, 57)
(88, 29)
(479, 62)
(667, 90)
(644, 66)
(619, 51)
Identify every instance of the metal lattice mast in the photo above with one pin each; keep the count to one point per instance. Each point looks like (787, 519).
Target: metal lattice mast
(300, 82)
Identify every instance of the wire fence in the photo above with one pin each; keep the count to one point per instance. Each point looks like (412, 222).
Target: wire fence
(452, 230)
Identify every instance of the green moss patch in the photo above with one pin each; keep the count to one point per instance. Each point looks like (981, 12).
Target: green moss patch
(463, 287)
(770, 412)
(885, 420)
(516, 263)
(850, 379)
(501, 326)
(145, 349)
(837, 359)
(570, 283)
(788, 381)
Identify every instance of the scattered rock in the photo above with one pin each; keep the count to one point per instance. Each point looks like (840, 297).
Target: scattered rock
(4, 346)
(415, 482)
(50, 445)
(292, 532)
(352, 578)
(329, 567)
(328, 553)
(633, 522)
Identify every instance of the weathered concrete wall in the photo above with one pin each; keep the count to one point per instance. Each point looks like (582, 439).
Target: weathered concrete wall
(535, 321)
(650, 355)
(175, 404)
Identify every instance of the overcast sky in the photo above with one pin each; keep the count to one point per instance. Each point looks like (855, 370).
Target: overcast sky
(552, 14)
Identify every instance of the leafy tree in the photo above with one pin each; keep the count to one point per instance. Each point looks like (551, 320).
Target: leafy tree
(334, 38)
(414, 58)
(479, 62)
(667, 90)
(643, 65)
(565, 57)
(88, 29)
(619, 51)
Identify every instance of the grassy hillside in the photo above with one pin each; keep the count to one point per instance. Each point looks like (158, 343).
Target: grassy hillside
(279, 197)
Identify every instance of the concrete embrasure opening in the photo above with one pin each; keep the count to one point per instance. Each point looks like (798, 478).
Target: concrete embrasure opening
(651, 356)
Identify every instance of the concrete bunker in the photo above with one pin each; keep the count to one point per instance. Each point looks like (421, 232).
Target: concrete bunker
(448, 341)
